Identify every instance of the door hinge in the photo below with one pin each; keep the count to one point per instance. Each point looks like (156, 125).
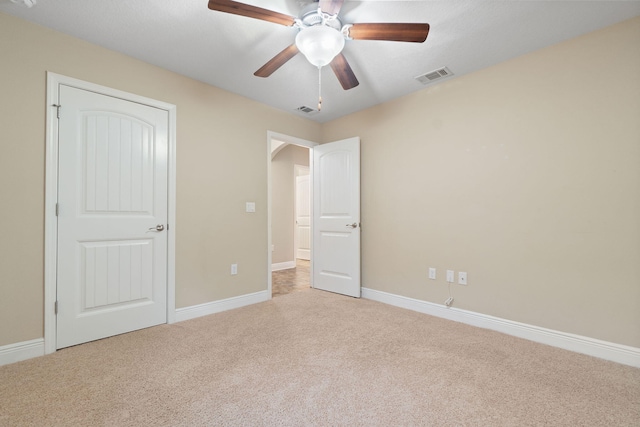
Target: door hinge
(57, 109)
(57, 209)
(55, 307)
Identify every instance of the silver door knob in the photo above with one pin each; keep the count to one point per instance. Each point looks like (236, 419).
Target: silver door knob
(354, 225)
(158, 227)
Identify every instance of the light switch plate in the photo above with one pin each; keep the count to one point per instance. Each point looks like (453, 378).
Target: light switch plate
(234, 269)
(251, 207)
(432, 273)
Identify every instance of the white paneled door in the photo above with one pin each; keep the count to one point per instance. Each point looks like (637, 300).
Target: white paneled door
(112, 216)
(303, 218)
(336, 217)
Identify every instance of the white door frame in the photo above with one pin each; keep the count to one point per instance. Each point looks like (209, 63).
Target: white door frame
(51, 196)
(285, 139)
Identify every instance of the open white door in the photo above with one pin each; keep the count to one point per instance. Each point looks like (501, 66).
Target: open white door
(112, 238)
(336, 217)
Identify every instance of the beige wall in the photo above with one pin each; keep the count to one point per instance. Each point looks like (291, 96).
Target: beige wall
(221, 164)
(526, 175)
(283, 200)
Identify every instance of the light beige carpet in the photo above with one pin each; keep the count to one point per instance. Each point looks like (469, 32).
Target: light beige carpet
(315, 358)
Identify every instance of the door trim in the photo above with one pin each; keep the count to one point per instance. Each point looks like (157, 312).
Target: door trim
(51, 195)
(286, 140)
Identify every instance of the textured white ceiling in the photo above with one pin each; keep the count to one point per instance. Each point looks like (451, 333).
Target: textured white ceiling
(224, 50)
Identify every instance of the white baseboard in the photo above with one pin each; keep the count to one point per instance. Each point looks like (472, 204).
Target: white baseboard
(283, 265)
(21, 351)
(593, 347)
(17, 352)
(213, 307)
(304, 254)
(24, 350)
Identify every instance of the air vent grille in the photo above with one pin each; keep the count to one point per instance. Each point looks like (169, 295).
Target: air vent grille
(306, 110)
(434, 75)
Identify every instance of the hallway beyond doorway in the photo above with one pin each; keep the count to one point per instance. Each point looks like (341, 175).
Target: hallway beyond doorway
(291, 280)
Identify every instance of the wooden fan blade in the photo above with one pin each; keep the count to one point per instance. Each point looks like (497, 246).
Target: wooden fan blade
(277, 61)
(415, 33)
(343, 72)
(331, 7)
(242, 9)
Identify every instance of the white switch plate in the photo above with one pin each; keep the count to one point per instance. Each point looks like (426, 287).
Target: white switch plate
(450, 275)
(234, 269)
(251, 207)
(462, 278)
(432, 273)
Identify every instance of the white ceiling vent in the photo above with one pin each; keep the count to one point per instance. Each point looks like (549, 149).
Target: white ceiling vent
(434, 75)
(307, 110)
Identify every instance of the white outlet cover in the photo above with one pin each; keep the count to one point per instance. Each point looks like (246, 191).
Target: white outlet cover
(432, 273)
(450, 276)
(234, 269)
(251, 207)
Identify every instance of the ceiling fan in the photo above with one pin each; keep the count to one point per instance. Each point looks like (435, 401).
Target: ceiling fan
(322, 35)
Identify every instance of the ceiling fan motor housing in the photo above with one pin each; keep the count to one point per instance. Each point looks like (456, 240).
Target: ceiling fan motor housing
(310, 16)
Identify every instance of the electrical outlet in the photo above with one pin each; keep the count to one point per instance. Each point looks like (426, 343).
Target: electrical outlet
(250, 207)
(234, 269)
(462, 278)
(432, 273)
(450, 275)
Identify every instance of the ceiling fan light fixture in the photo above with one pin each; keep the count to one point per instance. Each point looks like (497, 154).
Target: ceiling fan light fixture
(320, 44)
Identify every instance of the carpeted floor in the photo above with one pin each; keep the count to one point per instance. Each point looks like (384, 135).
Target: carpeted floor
(313, 358)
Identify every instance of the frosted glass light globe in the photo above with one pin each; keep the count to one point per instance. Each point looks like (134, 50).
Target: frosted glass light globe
(320, 44)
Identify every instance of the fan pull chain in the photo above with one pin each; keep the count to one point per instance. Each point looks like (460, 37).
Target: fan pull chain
(319, 88)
